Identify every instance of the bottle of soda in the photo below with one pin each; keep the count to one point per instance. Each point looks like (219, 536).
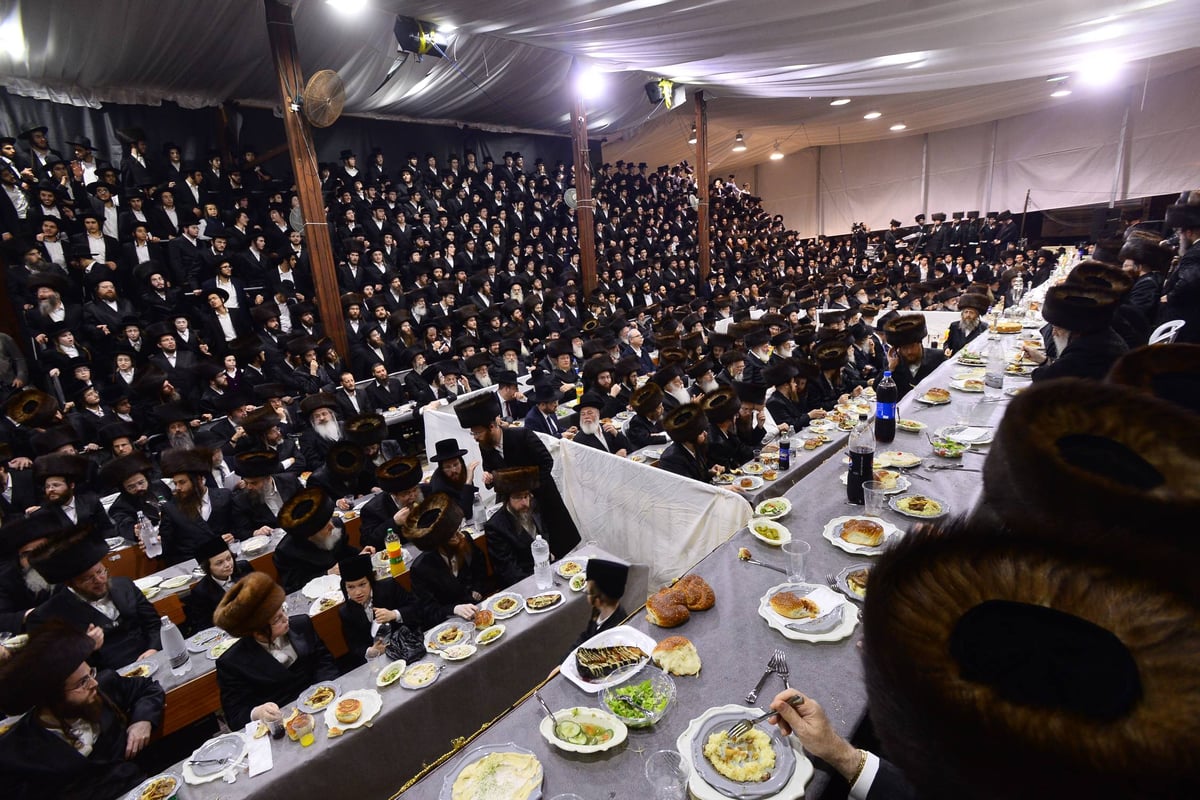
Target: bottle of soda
(862, 460)
(886, 397)
(395, 553)
(785, 454)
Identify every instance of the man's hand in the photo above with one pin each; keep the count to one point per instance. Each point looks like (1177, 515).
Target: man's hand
(810, 725)
(369, 550)
(96, 634)
(137, 736)
(228, 537)
(20, 463)
(465, 610)
(18, 383)
(265, 530)
(267, 712)
(402, 515)
(147, 654)
(383, 615)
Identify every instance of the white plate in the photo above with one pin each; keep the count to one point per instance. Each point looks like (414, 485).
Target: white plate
(178, 582)
(255, 544)
(923, 399)
(490, 604)
(785, 503)
(490, 630)
(964, 374)
(1013, 391)
(151, 593)
(321, 586)
(970, 435)
(902, 484)
(432, 645)
(756, 483)
(834, 527)
(570, 567)
(302, 699)
(447, 792)
(458, 652)
(843, 586)
(315, 608)
(148, 582)
(199, 642)
(152, 666)
(371, 701)
(915, 426)
(114, 542)
(136, 793)
(557, 604)
(700, 790)
(962, 387)
(406, 680)
(822, 425)
(591, 716)
(753, 468)
(622, 634)
(821, 595)
(894, 504)
(784, 534)
(381, 682)
(231, 747)
(899, 459)
(219, 649)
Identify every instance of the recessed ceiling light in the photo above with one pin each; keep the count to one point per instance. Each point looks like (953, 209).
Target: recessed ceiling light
(899, 126)
(1057, 78)
(841, 101)
(348, 6)
(1061, 91)
(873, 115)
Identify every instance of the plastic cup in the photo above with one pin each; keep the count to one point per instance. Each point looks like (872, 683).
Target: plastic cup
(668, 774)
(797, 559)
(305, 727)
(874, 498)
(966, 411)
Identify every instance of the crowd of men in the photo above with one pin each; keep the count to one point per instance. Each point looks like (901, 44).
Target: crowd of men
(168, 331)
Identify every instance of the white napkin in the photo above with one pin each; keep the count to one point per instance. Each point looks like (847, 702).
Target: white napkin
(969, 434)
(258, 750)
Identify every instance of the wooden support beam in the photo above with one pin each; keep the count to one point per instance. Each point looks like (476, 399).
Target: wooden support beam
(584, 204)
(702, 236)
(282, 35)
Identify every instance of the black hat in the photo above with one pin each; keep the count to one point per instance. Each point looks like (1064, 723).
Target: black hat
(516, 479)
(646, 398)
(445, 450)
(257, 463)
(260, 420)
(685, 423)
(974, 300)
(49, 440)
(1168, 371)
(1079, 308)
(592, 400)
(35, 676)
(398, 474)
(1146, 250)
(545, 393)
(345, 154)
(434, 522)
(190, 461)
(365, 429)
(62, 465)
(752, 393)
(20, 531)
(306, 513)
(355, 568)
(345, 459)
(119, 470)
(610, 577)
(905, 329)
(211, 547)
(480, 410)
(69, 555)
(504, 377)
(267, 391)
(779, 373)
(721, 404)
(1185, 212)
(317, 401)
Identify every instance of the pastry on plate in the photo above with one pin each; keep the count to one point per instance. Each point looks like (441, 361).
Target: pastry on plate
(862, 532)
(793, 606)
(677, 656)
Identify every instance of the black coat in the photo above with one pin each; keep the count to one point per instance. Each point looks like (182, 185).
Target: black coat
(440, 590)
(202, 599)
(612, 441)
(15, 597)
(957, 339)
(298, 561)
(124, 510)
(38, 764)
(592, 628)
(643, 433)
(87, 508)
(377, 516)
(509, 547)
(135, 630)
(182, 535)
(523, 448)
(250, 514)
(385, 593)
(1087, 356)
(465, 495)
(906, 379)
(249, 676)
(678, 460)
(726, 449)
(390, 395)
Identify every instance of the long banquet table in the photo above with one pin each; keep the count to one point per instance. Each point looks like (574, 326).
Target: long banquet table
(734, 642)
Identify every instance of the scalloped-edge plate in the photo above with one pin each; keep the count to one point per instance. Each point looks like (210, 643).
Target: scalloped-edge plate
(778, 623)
(589, 715)
(702, 791)
(447, 792)
(833, 529)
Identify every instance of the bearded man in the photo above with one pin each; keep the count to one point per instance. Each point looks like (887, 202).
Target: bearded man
(971, 306)
(324, 429)
(196, 513)
(511, 530)
(596, 432)
(22, 587)
(314, 543)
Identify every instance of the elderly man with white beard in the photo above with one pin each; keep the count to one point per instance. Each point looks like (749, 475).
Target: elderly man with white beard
(314, 544)
(598, 433)
(971, 306)
(324, 429)
(675, 393)
(22, 588)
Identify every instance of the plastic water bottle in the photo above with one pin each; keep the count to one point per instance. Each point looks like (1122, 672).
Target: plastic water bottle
(175, 648)
(395, 553)
(993, 378)
(862, 460)
(886, 396)
(541, 563)
(147, 533)
(478, 511)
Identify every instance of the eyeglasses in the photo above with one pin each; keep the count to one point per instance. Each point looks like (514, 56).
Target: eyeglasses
(85, 682)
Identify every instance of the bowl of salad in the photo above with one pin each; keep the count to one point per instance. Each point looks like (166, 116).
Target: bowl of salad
(583, 730)
(654, 695)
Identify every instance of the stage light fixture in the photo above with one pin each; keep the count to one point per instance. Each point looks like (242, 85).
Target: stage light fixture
(777, 154)
(589, 83)
(665, 91)
(739, 143)
(1062, 89)
(418, 37)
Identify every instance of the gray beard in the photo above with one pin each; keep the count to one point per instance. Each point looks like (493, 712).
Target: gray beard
(329, 431)
(35, 582)
(48, 305)
(485, 381)
(681, 395)
(329, 542)
(511, 364)
(525, 522)
(591, 428)
(1061, 341)
(182, 441)
(969, 327)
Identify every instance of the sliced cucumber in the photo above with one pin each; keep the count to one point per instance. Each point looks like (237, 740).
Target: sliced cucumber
(567, 731)
(579, 738)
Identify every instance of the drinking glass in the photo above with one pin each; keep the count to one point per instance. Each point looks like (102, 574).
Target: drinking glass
(874, 497)
(797, 559)
(668, 774)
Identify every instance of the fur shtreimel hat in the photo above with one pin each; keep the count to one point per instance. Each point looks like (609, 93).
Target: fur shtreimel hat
(249, 605)
(433, 522)
(1168, 371)
(478, 411)
(516, 479)
(905, 329)
(685, 423)
(721, 404)
(1147, 250)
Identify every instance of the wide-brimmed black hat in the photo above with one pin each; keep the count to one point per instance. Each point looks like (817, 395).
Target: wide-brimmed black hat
(185, 461)
(434, 522)
(1185, 213)
(355, 568)
(752, 393)
(480, 410)
(778, 373)
(35, 676)
(63, 465)
(69, 554)
(610, 577)
(317, 401)
(306, 513)
(52, 438)
(445, 450)
(398, 474)
(545, 392)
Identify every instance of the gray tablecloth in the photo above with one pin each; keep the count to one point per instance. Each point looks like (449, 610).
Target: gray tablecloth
(415, 728)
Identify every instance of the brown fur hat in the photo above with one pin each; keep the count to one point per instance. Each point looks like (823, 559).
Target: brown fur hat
(1104, 276)
(905, 329)
(365, 429)
(986, 648)
(1093, 463)
(433, 522)
(516, 479)
(1146, 250)
(480, 410)
(31, 407)
(721, 404)
(249, 605)
(1167, 371)
(68, 554)
(191, 461)
(685, 423)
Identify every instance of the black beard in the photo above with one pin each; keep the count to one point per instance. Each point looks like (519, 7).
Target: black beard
(90, 711)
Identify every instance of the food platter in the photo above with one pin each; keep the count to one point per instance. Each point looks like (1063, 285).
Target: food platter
(826, 627)
(139, 669)
(319, 696)
(753, 468)
(833, 530)
(934, 400)
(542, 602)
(452, 775)
(620, 635)
(199, 642)
(774, 508)
(901, 505)
(910, 425)
(777, 535)
(497, 600)
(902, 484)
(569, 567)
(321, 586)
(148, 582)
(371, 701)
(176, 582)
(419, 676)
(748, 483)
(214, 758)
(896, 458)
(779, 775)
(966, 374)
(217, 650)
(973, 385)
(971, 436)
(326, 602)
(391, 673)
(489, 634)
(582, 715)
(578, 583)
(448, 634)
(702, 790)
(255, 544)
(458, 652)
(168, 784)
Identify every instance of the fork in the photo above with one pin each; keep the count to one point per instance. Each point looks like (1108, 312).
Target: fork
(742, 728)
(753, 695)
(781, 669)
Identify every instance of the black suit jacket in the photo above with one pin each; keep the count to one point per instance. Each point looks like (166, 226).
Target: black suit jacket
(509, 547)
(592, 628)
(135, 630)
(523, 448)
(385, 593)
(676, 459)
(612, 442)
(15, 597)
(182, 535)
(441, 590)
(1087, 356)
(249, 514)
(297, 561)
(249, 676)
(643, 433)
(88, 508)
(202, 599)
(389, 395)
(906, 379)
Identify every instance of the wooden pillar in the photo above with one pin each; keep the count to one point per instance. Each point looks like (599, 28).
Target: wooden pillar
(282, 35)
(702, 183)
(584, 204)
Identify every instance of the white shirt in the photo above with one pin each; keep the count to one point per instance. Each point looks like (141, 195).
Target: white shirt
(70, 511)
(142, 251)
(206, 507)
(56, 253)
(104, 605)
(226, 323)
(96, 247)
(281, 650)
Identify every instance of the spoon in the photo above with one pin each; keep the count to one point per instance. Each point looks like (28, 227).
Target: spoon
(549, 713)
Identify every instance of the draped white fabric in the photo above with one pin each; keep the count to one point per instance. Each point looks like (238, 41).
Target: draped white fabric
(640, 513)
(769, 65)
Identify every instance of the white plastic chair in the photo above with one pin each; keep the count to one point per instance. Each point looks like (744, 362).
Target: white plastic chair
(1165, 333)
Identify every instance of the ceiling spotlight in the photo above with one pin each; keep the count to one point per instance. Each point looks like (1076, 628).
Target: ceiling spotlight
(899, 126)
(739, 143)
(589, 83)
(873, 115)
(1057, 78)
(777, 154)
(347, 6)
(692, 136)
(841, 101)
(1062, 90)
(1099, 69)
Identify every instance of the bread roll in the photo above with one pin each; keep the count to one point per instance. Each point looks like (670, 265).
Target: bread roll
(793, 606)
(862, 532)
(677, 655)
(484, 619)
(667, 608)
(348, 711)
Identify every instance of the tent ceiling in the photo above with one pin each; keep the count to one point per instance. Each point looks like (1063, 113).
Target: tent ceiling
(769, 66)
